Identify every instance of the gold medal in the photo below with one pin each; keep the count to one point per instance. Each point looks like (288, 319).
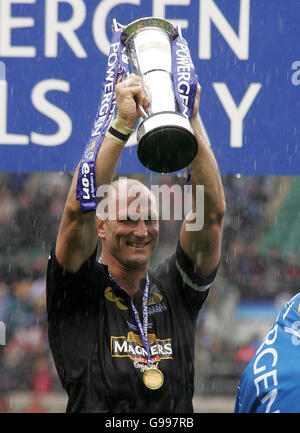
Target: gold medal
(153, 378)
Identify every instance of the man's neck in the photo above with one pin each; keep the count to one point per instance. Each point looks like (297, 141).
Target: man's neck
(127, 278)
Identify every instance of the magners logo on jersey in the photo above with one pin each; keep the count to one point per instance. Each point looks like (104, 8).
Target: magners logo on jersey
(132, 347)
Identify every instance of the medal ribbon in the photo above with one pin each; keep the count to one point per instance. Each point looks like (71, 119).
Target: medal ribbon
(117, 70)
(143, 329)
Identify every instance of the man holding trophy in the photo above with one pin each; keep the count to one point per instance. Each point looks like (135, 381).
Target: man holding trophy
(122, 335)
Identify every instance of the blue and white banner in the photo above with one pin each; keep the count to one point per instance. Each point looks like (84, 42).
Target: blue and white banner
(246, 53)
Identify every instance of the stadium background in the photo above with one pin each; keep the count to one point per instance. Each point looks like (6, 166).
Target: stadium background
(260, 266)
(259, 270)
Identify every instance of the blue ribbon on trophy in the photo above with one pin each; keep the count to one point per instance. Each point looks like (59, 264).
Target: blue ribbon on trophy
(184, 76)
(185, 80)
(117, 70)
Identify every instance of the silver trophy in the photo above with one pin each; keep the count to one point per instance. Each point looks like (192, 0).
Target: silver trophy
(165, 138)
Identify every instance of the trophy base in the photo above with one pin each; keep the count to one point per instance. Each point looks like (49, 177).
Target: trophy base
(166, 142)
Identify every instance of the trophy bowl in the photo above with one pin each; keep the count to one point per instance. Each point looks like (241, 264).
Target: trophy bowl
(166, 142)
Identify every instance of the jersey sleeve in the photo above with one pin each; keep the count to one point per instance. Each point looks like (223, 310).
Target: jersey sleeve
(184, 281)
(270, 382)
(72, 310)
(190, 277)
(67, 291)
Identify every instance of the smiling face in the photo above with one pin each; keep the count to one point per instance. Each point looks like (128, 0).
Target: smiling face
(132, 235)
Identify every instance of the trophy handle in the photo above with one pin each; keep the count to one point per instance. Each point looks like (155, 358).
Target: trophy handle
(115, 26)
(179, 30)
(143, 111)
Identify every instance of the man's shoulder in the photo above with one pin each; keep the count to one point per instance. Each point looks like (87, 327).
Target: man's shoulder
(67, 290)
(89, 267)
(166, 267)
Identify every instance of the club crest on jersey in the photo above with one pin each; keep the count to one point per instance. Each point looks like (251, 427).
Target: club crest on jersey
(154, 302)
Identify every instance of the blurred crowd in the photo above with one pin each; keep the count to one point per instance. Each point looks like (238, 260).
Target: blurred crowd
(249, 218)
(30, 210)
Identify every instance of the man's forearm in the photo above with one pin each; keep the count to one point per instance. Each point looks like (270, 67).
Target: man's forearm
(77, 237)
(205, 172)
(106, 163)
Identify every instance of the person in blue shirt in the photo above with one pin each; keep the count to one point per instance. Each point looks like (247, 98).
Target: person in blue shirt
(271, 380)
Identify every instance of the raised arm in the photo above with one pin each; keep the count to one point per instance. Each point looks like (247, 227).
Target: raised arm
(204, 246)
(77, 237)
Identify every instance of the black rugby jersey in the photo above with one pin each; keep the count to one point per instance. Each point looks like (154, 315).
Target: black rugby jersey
(96, 346)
